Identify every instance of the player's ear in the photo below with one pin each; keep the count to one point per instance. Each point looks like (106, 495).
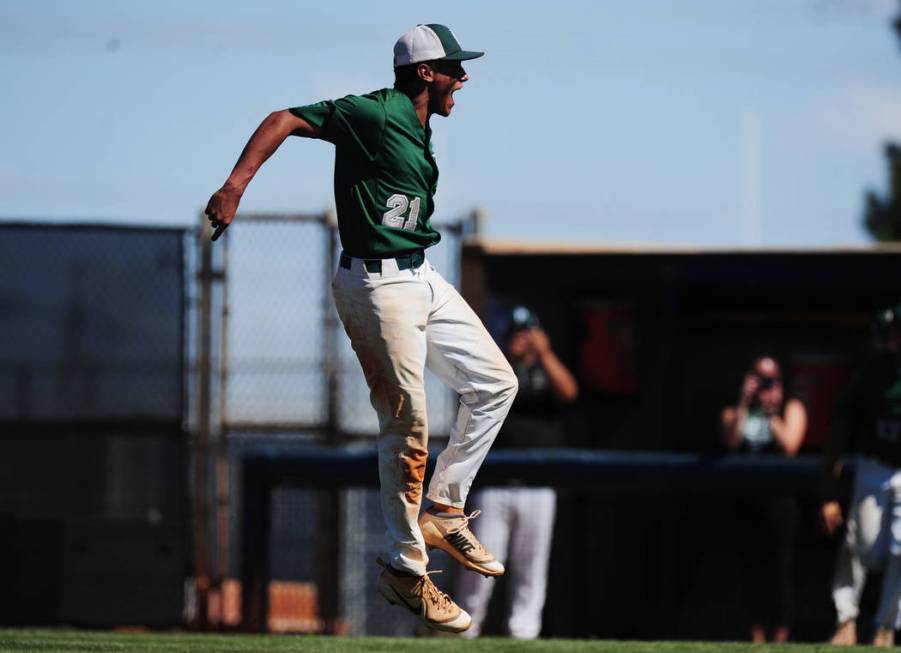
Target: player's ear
(425, 71)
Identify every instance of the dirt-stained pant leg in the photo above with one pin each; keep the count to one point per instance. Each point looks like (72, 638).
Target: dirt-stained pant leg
(384, 315)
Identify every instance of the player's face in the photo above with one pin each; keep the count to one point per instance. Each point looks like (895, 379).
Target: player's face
(449, 78)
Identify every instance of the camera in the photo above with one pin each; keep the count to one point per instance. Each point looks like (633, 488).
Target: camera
(766, 382)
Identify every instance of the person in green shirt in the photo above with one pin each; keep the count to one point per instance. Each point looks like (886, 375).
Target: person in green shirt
(400, 314)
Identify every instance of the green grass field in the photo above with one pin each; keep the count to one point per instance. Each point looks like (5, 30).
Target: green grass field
(78, 640)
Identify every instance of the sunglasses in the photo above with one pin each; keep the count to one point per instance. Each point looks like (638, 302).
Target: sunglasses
(450, 68)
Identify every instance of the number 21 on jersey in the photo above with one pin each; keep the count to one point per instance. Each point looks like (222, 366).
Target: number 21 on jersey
(398, 205)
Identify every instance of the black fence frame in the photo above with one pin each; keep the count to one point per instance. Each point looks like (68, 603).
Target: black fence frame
(662, 474)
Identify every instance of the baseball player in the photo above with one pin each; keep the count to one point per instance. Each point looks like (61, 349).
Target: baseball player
(869, 412)
(400, 314)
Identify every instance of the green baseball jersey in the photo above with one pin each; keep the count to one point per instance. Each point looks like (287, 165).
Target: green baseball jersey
(385, 172)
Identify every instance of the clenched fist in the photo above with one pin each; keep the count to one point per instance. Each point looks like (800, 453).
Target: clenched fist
(221, 209)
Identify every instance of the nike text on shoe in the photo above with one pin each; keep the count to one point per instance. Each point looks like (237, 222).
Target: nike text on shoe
(451, 533)
(419, 595)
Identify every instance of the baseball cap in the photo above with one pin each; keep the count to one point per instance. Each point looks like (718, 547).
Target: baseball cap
(521, 318)
(428, 43)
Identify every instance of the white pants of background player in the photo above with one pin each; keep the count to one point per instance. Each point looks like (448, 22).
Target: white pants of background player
(521, 521)
(399, 322)
(872, 543)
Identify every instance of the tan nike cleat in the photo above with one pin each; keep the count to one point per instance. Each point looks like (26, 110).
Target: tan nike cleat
(419, 595)
(452, 534)
(845, 634)
(884, 637)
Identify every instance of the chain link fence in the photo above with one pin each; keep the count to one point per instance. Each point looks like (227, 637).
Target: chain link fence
(275, 323)
(283, 338)
(93, 437)
(73, 346)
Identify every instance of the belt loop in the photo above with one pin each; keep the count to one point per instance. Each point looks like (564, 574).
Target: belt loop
(390, 266)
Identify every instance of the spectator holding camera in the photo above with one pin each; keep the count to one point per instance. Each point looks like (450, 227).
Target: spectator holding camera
(764, 422)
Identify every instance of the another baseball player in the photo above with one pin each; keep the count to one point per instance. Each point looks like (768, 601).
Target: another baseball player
(519, 523)
(400, 314)
(868, 415)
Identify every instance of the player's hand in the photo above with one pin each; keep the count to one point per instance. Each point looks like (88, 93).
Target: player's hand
(221, 209)
(831, 516)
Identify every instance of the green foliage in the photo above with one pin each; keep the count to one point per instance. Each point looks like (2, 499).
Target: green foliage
(883, 216)
(63, 640)
(897, 25)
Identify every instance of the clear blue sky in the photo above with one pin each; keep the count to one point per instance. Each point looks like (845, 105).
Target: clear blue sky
(695, 122)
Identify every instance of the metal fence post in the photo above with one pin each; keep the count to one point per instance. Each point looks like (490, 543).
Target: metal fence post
(222, 469)
(255, 539)
(331, 356)
(329, 522)
(202, 435)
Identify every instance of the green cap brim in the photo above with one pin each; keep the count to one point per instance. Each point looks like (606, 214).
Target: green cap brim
(462, 55)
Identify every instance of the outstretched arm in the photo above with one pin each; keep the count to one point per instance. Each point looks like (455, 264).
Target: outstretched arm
(267, 138)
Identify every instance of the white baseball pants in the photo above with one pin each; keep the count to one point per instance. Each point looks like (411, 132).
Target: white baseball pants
(521, 521)
(872, 543)
(399, 322)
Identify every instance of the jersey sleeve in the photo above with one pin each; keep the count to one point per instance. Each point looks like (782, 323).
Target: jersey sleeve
(355, 121)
